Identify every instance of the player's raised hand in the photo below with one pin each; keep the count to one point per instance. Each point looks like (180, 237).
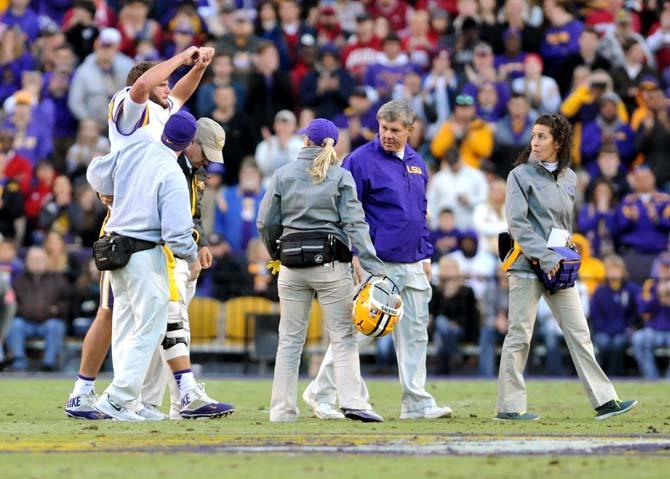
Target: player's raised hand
(190, 55)
(205, 56)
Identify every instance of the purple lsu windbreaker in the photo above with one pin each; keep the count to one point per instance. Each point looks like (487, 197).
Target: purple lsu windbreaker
(393, 194)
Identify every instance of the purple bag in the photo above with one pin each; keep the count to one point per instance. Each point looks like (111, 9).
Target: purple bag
(567, 271)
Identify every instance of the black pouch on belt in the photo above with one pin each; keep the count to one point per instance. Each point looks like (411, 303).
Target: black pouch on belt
(113, 252)
(302, 250)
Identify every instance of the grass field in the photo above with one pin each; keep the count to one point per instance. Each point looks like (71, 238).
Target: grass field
(37, 440)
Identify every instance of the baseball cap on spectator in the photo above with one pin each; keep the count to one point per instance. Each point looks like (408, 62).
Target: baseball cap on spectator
(241, 15)
(211, 137)
(179, 131)
(319, 129)
(623, 17)
(363, 17)
(648, 82)
(329, 49)
(327, 10)
(216, 169)
(610, 96)
(23, 97)
(465, 100)
(87, 5)
(511, 32)
(469, 23)
(307, 40)
(440, 13)
(533, 56)
(285, 115)
(228, 7)
(391, 37)
(109, 37)
(47, 26)
(360, 91)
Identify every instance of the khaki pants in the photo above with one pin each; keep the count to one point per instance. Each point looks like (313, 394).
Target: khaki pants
(524, 293)
(334, 285)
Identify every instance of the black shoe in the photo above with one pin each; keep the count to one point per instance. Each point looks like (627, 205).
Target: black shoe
(362, 415)
(614, 408)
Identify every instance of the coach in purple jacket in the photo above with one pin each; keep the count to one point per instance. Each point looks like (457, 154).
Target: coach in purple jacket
(391, 183)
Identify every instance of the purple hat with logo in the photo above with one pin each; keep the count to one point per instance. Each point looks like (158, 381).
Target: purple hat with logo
(179, 131)
(319, 129)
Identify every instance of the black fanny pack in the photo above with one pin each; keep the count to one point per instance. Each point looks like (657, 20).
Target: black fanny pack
(113, 252)
(302, 250)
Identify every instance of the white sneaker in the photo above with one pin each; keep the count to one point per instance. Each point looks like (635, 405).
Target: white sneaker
(116, 411)
(321, 410)
(432, 412)
(82, 406)
(174, 414)
(151, 412)
(196, 404)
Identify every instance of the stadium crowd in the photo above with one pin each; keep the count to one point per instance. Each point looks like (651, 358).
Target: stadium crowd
(477, 72)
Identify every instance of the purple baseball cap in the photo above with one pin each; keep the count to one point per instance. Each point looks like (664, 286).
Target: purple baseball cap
(319, 129)
(179, 131)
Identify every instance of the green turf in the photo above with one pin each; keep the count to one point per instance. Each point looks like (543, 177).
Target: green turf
(32, 421)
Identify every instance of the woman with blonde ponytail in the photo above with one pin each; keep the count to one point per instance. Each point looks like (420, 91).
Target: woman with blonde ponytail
(309, 219)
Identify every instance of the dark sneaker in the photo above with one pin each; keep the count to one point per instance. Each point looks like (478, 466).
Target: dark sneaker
(614, 408)
(362, 415)
(516, 416)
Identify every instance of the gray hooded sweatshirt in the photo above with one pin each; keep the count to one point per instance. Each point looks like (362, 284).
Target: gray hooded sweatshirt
(294, 203)
(535, 203)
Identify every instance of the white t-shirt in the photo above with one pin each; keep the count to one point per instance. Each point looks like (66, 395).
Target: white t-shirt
(130, 122)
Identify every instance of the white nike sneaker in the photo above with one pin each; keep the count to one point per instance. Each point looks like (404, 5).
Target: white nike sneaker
(116, 411)
(196, 404)
(151, 412)
(432, 412)
(82, 406)
(321, 410)
(174, 414)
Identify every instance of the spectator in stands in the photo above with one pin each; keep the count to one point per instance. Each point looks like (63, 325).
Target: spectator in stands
(643, 223)
(222, 69)
(15, 58)
(42, 107)
(488, 218)
(476, 264)
(101, 75)
(455, 314)
(439, 87)
(269, 89)
(238, 207)
(627, 76)
(592, 270)
(490, 106)
(494, 322)
(611, 44)
(43, 306)
(646, 88)
(7, 312)
(515, 15)
(444, 237)
(510, 64)
(396, 11)
(59, 260)
(40, 192)
(308, 53)
(561, 40)
(659, 40)
(327, 89)
(13, 166)
(654, 305)
(240, 130)
(417, 40)
(471, 136)
(11, 265)
(583, 104)
(359, 118)
(512, 134)
(267, 22)
(410, 90)
(45, 49)
(588, 54)
(92, 214)
(456, 186)
(597, 218)
(227, 277)
(32, 137)
(362, 49)
(60, 213)
(81, 30)
(653, 138)
(613, 315)
(389, 69)
(292, 29)
(90, 143)
(541, 91)
(262, 282)
(279, 149)
(483, 70)
(136, 26)
(607, 129)
(608, 167)
(240, 43)
(20, 14)
(328, 27)
(85, 298)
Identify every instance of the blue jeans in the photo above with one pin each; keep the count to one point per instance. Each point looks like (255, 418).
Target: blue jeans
(611, 350)
(385, 352)
(52, 331)
(644, 342)
(552, 342)
(488, 339)
(447, 335)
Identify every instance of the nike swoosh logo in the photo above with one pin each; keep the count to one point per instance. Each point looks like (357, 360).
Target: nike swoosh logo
(115, 406)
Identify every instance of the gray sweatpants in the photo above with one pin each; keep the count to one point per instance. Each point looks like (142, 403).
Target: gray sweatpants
(410, 337)
(525, 291)
(139, 321)
(334, 285)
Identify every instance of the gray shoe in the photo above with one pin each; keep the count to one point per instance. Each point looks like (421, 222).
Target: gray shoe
(515, 416)
(614, 408)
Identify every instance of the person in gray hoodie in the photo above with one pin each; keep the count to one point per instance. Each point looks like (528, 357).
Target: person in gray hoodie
(540, 197)
(309, 201)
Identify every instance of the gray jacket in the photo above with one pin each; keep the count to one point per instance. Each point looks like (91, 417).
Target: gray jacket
(535, 203)
(293, 203)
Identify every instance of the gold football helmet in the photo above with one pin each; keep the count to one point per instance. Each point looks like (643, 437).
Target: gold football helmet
(377, 306)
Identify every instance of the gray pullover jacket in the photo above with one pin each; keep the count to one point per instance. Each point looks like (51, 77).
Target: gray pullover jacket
(294, 203)
(535, 203)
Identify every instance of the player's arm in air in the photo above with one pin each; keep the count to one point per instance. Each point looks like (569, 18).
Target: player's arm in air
(185, 87)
